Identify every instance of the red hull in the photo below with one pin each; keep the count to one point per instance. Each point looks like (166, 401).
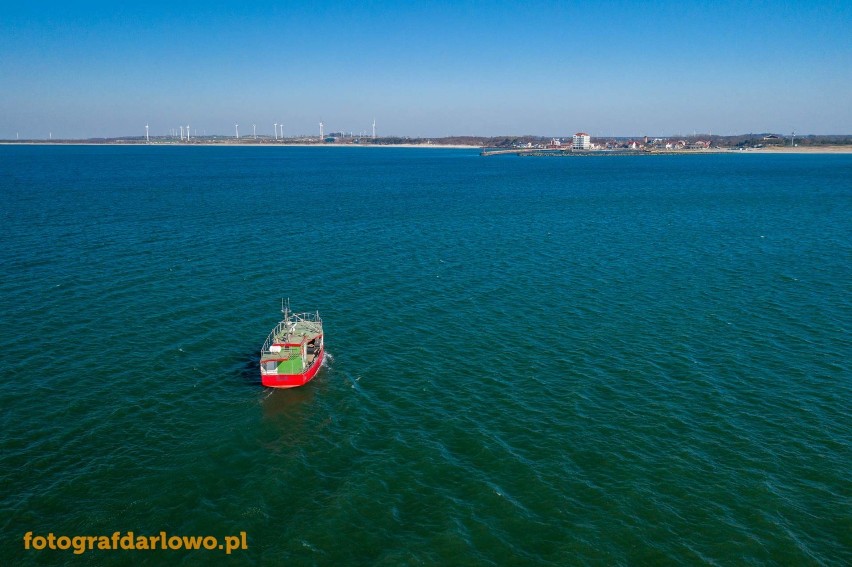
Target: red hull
(293, 380)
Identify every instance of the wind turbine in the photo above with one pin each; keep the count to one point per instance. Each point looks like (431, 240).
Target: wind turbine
(146, 133)
(276, 130)
(321, 125)
(237, 129)
(187, 132)
(181, 133)
(374, 128)
(254, 130)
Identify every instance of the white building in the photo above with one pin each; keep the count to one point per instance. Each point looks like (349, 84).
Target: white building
(582, 141)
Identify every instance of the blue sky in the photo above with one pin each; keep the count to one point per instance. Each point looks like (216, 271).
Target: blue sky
(86, 69)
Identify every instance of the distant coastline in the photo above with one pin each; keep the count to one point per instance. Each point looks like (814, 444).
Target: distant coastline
(226, 144)
(709, 151)
(832, 149)
(522, 145)
(844, 149)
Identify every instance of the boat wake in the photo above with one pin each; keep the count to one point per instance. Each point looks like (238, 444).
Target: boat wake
(247, 369)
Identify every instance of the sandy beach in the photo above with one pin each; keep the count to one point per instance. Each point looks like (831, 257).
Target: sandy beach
(233, 144)
(799, 150)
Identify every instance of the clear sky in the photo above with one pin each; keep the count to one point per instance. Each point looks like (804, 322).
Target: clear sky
(89, 69)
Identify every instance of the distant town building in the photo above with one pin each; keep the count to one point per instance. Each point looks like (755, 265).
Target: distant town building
(582, 141)
(699, 145)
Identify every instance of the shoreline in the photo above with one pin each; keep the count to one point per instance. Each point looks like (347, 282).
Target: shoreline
(826, 150)
(798, 150)
(766, 150)
(238, 144)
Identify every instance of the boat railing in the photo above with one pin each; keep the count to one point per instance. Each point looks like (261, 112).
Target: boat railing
(287, 323)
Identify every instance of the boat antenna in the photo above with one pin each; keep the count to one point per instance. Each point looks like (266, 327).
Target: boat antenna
(285, 307)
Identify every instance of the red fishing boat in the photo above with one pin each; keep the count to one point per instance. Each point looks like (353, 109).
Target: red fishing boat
(293, 351)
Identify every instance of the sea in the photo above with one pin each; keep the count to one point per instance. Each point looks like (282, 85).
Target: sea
(632, 360)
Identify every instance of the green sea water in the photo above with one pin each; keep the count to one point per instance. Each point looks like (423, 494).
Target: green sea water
(624, 361)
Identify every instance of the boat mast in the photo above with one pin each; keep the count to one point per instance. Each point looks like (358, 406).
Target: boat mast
(286, 323)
